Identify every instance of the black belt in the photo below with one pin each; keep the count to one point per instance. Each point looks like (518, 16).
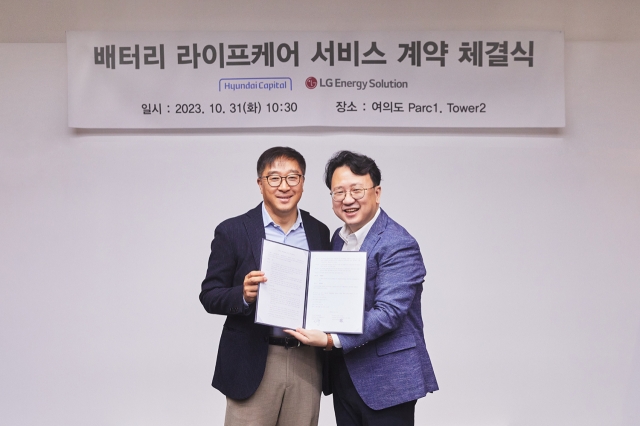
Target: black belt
(287, 342)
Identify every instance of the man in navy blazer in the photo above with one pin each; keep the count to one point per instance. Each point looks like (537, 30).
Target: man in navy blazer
(376, 377)
(267, 376)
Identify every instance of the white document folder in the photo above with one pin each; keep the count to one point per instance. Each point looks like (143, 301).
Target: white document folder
(321, 290)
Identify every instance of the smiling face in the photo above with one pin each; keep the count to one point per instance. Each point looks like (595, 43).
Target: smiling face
(281, 202)
(355, 213)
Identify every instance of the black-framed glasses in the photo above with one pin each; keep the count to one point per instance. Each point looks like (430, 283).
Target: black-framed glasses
(356, 193)
(275, 180)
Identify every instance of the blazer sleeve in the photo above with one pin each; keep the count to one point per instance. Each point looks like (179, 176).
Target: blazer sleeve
(222, 287)
(399, 273)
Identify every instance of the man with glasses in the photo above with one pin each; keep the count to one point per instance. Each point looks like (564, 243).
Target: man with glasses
(376, 377)
(268, 377)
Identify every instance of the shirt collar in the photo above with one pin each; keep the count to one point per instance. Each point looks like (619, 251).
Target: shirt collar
(266, 220)
(361, 233)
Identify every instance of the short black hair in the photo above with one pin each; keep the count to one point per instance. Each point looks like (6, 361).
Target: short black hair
(272, 154)
(359, 164)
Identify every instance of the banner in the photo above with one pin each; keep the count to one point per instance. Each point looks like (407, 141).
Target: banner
(337, 79)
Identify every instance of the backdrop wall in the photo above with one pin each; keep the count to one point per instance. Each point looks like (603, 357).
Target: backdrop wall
(531, 240)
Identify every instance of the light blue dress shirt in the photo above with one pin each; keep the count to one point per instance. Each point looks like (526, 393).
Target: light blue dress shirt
(296, 236)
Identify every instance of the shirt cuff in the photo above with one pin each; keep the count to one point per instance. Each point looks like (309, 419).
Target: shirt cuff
(336, 340)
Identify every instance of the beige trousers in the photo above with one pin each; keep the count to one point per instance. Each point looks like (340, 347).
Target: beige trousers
(288, 395)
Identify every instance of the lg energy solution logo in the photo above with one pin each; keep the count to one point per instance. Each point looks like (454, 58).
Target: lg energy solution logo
(339, 83)
(311, 83)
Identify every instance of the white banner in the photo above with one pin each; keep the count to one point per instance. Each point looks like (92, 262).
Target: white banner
(338, 79)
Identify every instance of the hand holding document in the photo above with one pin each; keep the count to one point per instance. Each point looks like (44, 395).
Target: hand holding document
(251, 284)
(316, 290)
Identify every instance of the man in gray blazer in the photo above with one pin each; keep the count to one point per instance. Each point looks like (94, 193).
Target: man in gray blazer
(377, 376)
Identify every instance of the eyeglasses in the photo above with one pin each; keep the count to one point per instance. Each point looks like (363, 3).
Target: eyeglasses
(275, 180)
(356, 193)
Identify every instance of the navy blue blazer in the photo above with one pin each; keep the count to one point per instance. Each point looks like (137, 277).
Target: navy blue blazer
(388, 363)
(235, 251)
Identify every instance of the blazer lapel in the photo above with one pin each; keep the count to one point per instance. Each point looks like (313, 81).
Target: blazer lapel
(337, 243)
(374, 233)
(255, 231)
(313, 236)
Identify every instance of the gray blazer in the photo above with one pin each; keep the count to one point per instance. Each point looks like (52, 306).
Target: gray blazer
(388, 363)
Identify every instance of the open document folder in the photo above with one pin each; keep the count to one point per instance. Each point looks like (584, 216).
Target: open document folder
(321, 290)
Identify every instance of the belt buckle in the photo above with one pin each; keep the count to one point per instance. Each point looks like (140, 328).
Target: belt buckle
(289, 342)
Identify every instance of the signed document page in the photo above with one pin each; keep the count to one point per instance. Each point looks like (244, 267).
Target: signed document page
(335, 301)
(281, 300)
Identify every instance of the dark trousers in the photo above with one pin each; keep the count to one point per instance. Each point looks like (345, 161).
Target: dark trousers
(351, 410)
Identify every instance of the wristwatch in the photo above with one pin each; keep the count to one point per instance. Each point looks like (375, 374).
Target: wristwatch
(329, 342)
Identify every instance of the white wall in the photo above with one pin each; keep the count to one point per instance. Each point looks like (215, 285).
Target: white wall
(43, 21)
(531, 237)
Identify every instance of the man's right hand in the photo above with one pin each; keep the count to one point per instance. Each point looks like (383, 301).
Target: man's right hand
(251, 282)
